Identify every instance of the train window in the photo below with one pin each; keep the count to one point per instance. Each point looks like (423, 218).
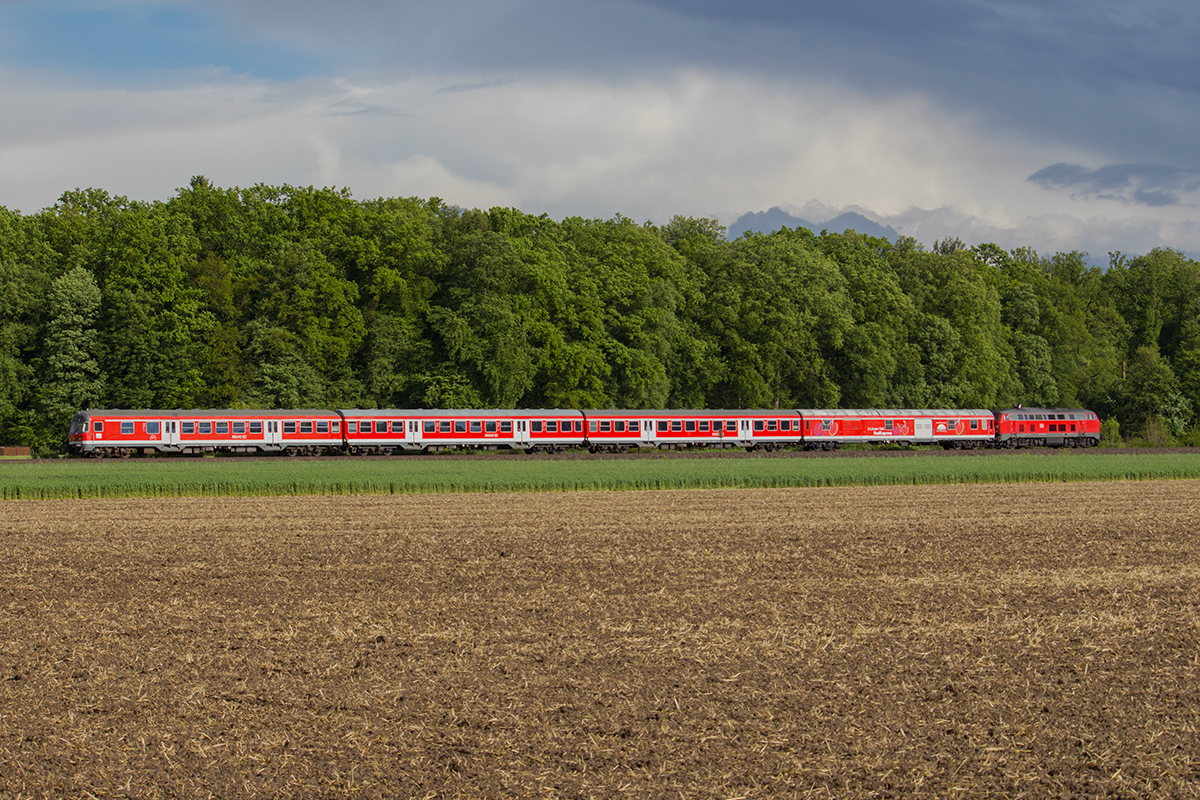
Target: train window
(731, 426)
(593, 426)
(663, 426)
(429, 426)
(676, 426)
(889, 424)
(476, 426)
(579, 426)
(536, 426)
(337, 427)
(690, 426)
(634, 426)
(619, 426)
(323, 426)
(255, 427)
(772, 425)
(239, 427)
(1021, 428)
(153, 427)
(381, 426)
(185, 427)
(206, 428)
(605, 426)
(98, 426)
(974, 424)
(704, 425)
(489, 426)
(126, 428)
(351, 426)
(305, 427)
(552, 426)
(444, 426)
(223, 427)
(785, 424)
(506, 426)
(460, 426)
(1072, 427)
(758, 426)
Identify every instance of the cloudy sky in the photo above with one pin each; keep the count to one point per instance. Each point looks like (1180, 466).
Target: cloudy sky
(1055, 124)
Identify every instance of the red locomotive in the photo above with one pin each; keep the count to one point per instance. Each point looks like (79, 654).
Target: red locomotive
(383, 431)
(1047, 427)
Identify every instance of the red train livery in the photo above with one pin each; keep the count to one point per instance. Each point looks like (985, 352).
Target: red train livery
(1047, 427)
(381, 431)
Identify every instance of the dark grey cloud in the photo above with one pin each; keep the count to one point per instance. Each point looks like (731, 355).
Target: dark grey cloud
(1117, 77)
(1145, 184)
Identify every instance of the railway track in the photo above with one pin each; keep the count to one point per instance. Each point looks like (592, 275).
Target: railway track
(698, 453)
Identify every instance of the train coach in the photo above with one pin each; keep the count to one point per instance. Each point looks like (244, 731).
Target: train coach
(122, 433)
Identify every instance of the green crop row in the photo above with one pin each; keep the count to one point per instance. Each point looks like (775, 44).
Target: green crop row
(285, 477)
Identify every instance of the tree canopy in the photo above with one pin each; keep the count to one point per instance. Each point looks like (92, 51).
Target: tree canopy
(283, 296)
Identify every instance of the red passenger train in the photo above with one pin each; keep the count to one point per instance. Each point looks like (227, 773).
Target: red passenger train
(119, 433)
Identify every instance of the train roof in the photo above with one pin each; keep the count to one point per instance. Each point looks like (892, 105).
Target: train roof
(198, 413)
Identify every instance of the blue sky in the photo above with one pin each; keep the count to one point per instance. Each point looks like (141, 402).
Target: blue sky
(1059, 124)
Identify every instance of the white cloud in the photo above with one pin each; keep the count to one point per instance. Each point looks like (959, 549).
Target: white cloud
(680, 142)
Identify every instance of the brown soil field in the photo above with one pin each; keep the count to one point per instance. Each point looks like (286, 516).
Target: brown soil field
(936, 641)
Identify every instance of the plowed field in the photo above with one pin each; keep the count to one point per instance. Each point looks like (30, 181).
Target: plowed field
(935, 641)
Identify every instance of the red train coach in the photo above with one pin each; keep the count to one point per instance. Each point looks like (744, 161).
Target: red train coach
(122, 433)
(1047, 427)
(381, 431)
(828, 429)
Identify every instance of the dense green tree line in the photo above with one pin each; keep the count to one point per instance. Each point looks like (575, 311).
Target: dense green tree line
(302, 297)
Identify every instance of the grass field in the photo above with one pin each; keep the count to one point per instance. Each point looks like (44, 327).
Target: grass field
(175, 477)
(1002, 641)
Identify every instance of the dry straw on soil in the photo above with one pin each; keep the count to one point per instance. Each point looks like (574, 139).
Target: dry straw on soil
(1033, 640)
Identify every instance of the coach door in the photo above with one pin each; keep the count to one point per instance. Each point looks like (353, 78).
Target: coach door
(170, 432)
(271, 431)
(924, 429)
(521, 432)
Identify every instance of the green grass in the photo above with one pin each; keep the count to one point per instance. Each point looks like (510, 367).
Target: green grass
(164, 477)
